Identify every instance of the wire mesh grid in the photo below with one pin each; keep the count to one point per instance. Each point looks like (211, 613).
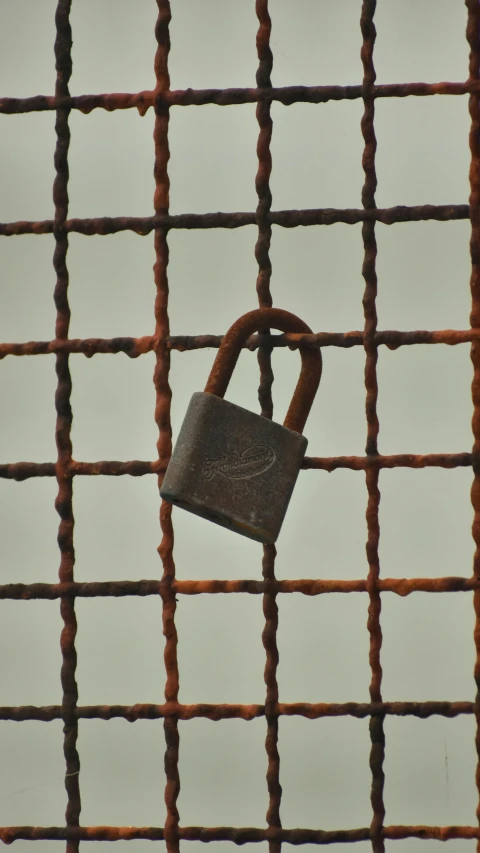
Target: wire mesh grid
(161, 343)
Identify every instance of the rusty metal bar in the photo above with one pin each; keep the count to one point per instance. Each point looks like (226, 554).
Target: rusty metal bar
(63, 504)
(305, 586)
(262, 255)
(149, 711)
(136, 468)
(473, 29)
(236, 835)
(377, 736)
(143, 225)
(134, 347)
(286, 95)
(162, 417)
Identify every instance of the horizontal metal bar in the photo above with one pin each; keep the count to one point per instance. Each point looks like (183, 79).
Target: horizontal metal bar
(306, 586)
(286, 95)
(136, 468)
(235, 835)
(110, 468)
(392, 339)
(134, 347)
(311, 711)
(284, 218)
(400, 460)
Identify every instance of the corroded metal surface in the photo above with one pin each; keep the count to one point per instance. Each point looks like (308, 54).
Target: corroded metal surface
(133, 347)
(227, 357)
(286, 95)
(311, 711)
(162, 418)
(473, 36)
(118, 589)
(63, 503)
(65, 468)
(377, 736)
(265, 399)
(284, 218)
(235, 835)
(226, 460)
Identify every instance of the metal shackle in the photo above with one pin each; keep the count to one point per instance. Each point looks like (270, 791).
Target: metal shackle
(231, 346)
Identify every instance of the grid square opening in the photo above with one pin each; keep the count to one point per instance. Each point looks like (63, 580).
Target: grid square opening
(229, 60)
(111, 291)
(30, 631)
(27, 33)
(122, 781)
(323, 506)
(120, 650)
(28, 309)
(415, 43)
(308, 629)
(424, 275)
(113, 400)
(220, 648)
(210, 269)
(28, 531)
(116, 528)
(217, 762)
(317, 155)
(325, 773)
(430, 138)
(26, 166)
(425, 522)
(424, 402)
(32, 773)
(27, 387)
(430, 772)
(111, 163)
(126, 33)
(315, 44)
(317, 274)
(212, 163)
(434, 631)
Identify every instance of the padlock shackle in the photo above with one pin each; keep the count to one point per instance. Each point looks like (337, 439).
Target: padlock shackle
(230, 348)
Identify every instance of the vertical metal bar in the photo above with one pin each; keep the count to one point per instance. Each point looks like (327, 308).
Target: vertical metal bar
(377, 752)
(63, 503)
(262, 185)
(473, 36)
(262, 247)
(162, 418)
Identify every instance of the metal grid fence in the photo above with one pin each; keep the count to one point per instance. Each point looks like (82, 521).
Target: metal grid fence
(65, 468)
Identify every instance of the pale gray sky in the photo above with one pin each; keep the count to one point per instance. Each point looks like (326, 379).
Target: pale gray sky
(424, 406)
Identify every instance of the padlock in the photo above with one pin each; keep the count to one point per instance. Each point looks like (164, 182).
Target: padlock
(230, 465)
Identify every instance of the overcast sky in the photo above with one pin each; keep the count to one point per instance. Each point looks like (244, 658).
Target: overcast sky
(424, 406)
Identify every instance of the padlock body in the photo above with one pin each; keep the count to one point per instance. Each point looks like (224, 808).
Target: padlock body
(234, 467)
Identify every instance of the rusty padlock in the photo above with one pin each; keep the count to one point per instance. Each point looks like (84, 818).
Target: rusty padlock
(231, 465)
